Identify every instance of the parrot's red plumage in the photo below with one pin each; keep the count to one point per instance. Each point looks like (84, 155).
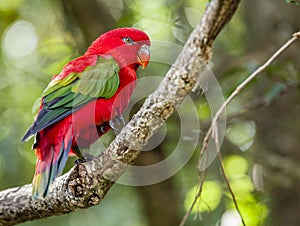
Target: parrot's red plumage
(81, 101)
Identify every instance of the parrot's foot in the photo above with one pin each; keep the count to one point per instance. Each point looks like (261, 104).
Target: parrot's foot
(85, 158)
(88, 157)
(79, 161)
(117, 123)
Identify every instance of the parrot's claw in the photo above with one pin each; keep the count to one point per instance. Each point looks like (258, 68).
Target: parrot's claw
(102, 130)
(117, 123)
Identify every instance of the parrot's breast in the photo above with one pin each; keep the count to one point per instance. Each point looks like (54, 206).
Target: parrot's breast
(91, 121)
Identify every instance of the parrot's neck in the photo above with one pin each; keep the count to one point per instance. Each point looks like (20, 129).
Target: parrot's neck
(127, 77)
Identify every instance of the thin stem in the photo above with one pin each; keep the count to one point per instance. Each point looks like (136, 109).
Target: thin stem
(229, 187)
(215, 135)
(197, 196)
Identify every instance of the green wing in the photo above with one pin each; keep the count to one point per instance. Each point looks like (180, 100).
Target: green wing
(65, 96)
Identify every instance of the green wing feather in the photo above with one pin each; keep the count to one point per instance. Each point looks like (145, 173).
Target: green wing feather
(95, 82)
(65, 96)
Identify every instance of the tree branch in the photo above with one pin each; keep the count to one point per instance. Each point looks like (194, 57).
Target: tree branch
(86, 184)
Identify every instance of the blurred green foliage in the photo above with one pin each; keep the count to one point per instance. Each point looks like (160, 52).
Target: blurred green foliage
(38, 38)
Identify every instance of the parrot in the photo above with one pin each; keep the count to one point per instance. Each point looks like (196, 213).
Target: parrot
(84, 101)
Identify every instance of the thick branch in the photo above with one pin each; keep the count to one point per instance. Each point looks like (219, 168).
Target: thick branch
(86, 184)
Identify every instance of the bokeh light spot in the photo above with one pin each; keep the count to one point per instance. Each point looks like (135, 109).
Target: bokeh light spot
(20, 39)
(231, 218)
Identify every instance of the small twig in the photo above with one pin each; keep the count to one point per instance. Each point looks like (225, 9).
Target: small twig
(214, 125)
(239, 88)
(220, 111)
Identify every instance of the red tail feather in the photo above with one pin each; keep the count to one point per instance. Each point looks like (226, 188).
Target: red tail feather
(49, 166)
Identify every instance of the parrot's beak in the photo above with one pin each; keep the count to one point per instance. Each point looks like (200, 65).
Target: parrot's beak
(143, 56)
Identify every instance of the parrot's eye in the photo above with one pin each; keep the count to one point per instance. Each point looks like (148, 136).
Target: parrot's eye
(128, 41)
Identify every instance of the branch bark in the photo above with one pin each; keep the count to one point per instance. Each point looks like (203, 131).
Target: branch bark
(86, 184)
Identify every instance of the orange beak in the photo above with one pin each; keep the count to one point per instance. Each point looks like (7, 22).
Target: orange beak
(143, 56)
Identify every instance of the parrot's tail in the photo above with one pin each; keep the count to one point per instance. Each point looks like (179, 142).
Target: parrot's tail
(49, 167)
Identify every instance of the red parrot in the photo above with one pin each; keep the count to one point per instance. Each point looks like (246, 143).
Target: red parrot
(81, 102)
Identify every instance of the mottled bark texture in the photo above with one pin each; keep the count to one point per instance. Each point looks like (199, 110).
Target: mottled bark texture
(87, 183)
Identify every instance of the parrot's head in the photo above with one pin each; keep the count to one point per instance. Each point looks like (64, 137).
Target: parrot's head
(128, 46)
